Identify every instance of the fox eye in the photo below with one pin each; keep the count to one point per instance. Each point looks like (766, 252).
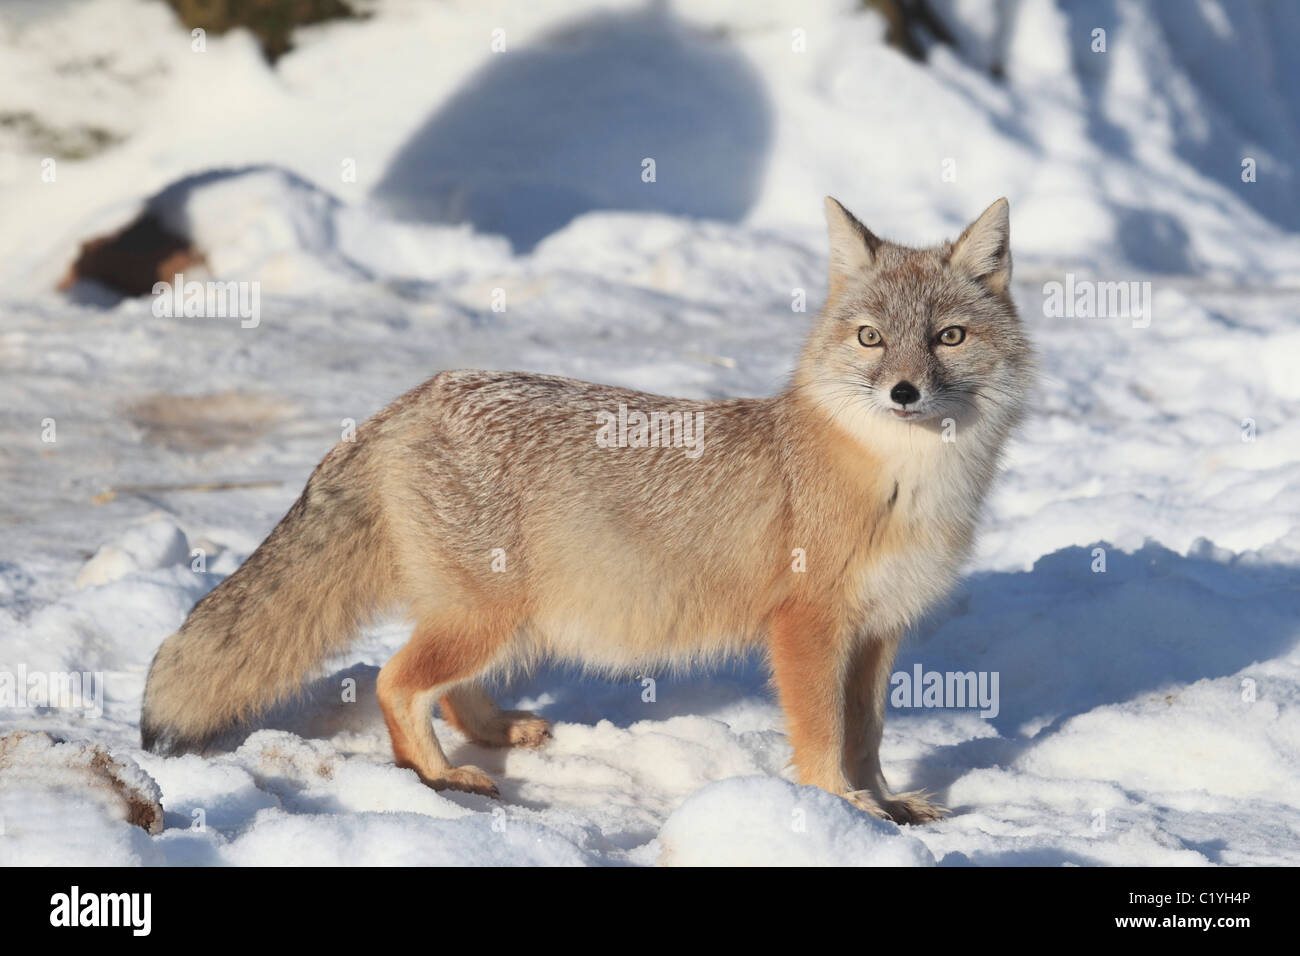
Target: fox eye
(953, 335)
(869, 337)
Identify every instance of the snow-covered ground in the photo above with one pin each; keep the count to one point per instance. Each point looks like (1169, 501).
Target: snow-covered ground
(1148, 713)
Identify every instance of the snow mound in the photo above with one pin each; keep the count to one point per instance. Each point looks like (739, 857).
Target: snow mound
(399, 839)
(150, 546)
(270, 224)
(761, 821)
(36, 764)
(710, 127)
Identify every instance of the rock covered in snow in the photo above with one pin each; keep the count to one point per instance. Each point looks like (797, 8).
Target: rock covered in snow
(37, 761)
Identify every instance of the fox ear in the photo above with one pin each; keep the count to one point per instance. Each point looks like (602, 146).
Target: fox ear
(853, 247)
(983, 251)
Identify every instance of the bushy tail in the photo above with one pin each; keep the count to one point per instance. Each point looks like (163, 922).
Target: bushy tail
(302, 595)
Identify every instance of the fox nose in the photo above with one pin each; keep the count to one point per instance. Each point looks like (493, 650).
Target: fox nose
(905, 393)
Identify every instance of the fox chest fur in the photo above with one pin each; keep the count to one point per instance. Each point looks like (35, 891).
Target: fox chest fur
(924, 537)
(911, 501)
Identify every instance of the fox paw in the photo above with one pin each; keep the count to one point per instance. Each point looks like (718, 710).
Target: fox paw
(914, 807)
(866, 801)
(523, 729)
(511, 728)
(466, 780)
(903, 808)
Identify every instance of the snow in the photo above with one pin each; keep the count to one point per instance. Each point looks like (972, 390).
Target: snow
(86, 797)
(759, 821)
(1149, 713)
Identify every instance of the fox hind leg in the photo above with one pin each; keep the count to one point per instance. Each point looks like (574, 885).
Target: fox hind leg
(471, 710)
(431, 664)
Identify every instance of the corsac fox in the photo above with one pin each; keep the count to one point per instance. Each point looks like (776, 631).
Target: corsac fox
(516, 517)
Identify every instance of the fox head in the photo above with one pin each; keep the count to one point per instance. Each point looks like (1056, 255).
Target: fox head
(918, 337)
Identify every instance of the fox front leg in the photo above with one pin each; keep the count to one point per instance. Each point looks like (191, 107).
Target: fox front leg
(866, 691)
(807, 651)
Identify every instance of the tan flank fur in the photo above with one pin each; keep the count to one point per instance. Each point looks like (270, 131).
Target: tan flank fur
(816, 525)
